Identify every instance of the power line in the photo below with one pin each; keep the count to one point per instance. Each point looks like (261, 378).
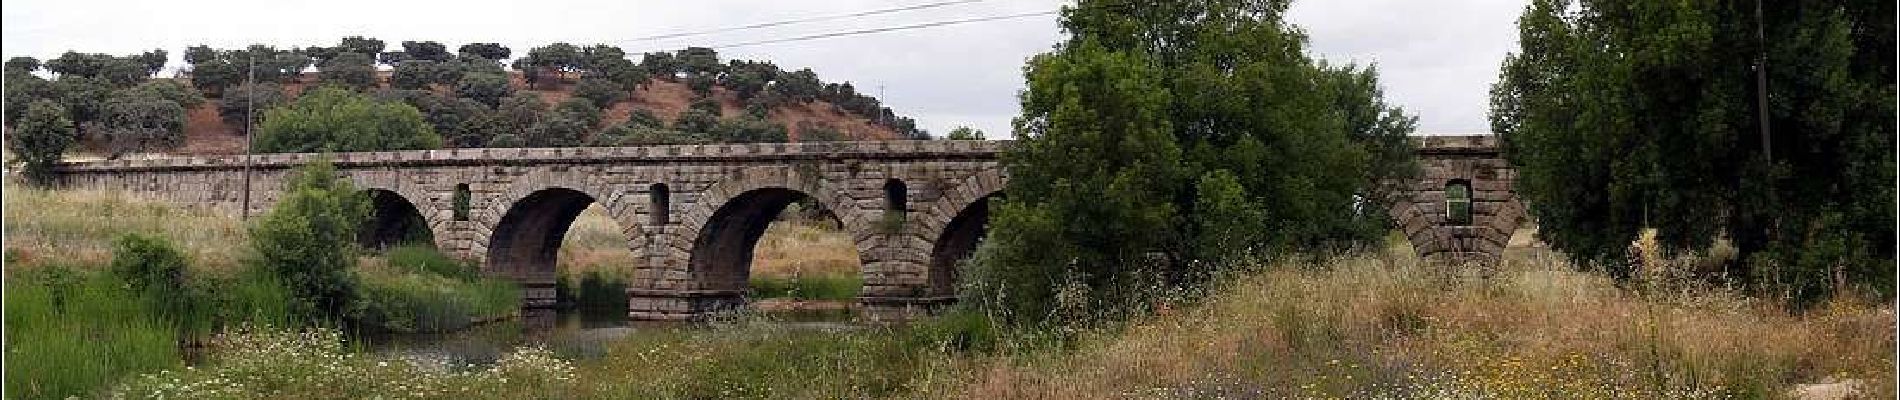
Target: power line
(885, 29)
(803, 20)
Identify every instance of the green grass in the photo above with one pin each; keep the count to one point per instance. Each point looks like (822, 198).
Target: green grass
(70, 333)
(418, 289)
(808, 287)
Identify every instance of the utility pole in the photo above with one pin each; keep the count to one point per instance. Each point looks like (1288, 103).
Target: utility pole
(250, 105)
(1761, 84)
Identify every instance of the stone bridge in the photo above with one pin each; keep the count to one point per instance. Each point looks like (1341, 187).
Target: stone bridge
(693, 214)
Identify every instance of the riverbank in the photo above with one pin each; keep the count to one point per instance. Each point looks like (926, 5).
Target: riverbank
(1367, 326)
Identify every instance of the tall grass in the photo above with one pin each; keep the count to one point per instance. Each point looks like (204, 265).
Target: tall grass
(70, 333)
(77, 227)
(417, 289)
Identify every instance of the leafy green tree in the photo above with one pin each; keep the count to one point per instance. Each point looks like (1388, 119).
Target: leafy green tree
(22, 65)
(702, 85)
(965, 133)
(801, 85)
(349, 69)
(254, 100)
(140, 119)
(367, 47)
(1154, 127)
(40, 138)
(559, 129)
(698, 61)
(21, 90)
(330, 119)
(1626, 115)
(485, 51)
(644, 118)
(748, 129)
(414, 74)
(601, 92)
(518, 113)
(308, 240)
(809, 132)
(581, 110)
(84, 97)
(484, 87)
(549, 62)
(154, 61)
(696, 121)
(601, 57)
(429, 51)
(662, 65)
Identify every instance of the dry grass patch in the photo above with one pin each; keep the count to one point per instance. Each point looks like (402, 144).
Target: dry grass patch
(76, 227)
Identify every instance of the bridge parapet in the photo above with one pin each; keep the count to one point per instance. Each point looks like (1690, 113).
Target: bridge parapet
(859, 150)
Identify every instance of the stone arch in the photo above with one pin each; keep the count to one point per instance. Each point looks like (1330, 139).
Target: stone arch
(1495, 211)
(721, 228)
(521, 231)
(415, 195)
(956, 222)
(393, 221)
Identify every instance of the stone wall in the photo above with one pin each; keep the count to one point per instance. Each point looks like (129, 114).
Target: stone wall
(1420, 209)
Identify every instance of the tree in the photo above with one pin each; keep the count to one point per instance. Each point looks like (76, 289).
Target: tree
(747, 129)
(1156, 126)
(581, 110)
(22, 65)
(360, 45)
(558, 130)
(698, 61)
(485, 51)
(801, 86)
(1626, 115)
(518, 113)
(600, 57)
(253, 100)
(22, 89)
(430, 51)
(154, 61)
(139, 119)
(696, 121)
(662, 65)
(601, 92)
(414, 74)
(349, 69)
(484, 87)
(644, 118)
(330, 119)
(308, 241)
(551, 61)
(965, 133)
(40, 138)
(84, 97)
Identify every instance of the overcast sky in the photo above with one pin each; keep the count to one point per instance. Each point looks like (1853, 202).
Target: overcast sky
(1437, 58)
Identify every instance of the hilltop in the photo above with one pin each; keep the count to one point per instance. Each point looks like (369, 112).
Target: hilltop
(207, 134)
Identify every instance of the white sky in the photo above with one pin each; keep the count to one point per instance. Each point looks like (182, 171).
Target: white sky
(1437, 58)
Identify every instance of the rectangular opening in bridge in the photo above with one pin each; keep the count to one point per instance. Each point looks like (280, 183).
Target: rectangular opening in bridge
(459, 202)
(658, 204)
(1458, 202)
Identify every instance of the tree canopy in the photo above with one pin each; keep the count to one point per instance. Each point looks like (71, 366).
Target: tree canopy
(331, 119)
(1627, 115)
(1161, 143)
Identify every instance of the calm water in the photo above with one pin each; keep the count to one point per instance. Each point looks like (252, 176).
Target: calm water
(573, 334)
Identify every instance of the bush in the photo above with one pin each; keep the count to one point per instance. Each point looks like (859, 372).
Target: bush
(307, 241)
(603, 93)
(153, 266)
(254, 100)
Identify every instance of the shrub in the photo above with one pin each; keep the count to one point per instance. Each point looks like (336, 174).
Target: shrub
(41, 138)
(603, 93)
(153, 266)
(307, 241)
(254, 100)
